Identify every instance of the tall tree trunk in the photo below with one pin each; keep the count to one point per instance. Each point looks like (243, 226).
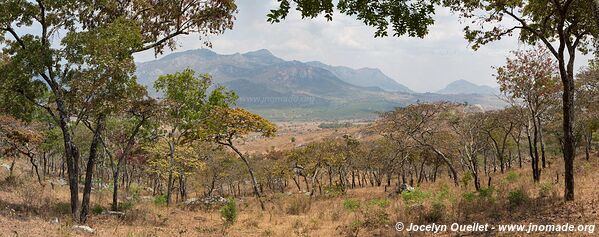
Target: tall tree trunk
(567, 77)
(535, 141)
(91, 162)
(71, 157)
(542, 143)
(252, 176)
(171, 161)
(588, 143)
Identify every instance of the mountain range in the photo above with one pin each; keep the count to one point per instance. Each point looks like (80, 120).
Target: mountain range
(292, 90)
(466, 87)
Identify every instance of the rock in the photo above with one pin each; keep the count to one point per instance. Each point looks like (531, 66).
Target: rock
(210, 201)
(191, 201)
(60, 182)
(403, 188)
(115, 213)
(214, 200)
(84, 229)
(6, 166)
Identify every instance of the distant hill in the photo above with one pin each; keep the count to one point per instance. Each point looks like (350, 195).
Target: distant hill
(257, 73)
(465, 87)
(365, 77)
(291, 90)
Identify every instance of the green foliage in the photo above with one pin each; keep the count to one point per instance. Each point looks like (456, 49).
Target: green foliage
(229, 212)
(512, 176)
(380, 202)
(62, 208)
(517, 197)
(354, 227)
(334, 190)
(351, 204)
(415, 197)
(375, 217)
(128, 205)
(486, 193)
(97, 209)
(469, 196)
(466, 178)
(546, 190)
(335, 125)
(398, 17)
(435, 213)
(160, 200)
(443, 194)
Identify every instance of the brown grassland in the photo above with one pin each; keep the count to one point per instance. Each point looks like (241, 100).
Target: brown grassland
(26, 209)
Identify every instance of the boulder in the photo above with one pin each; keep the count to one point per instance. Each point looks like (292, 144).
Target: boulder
(6, 166)
(115, 213)
(206, 202)
(84, 229)
(403, 188)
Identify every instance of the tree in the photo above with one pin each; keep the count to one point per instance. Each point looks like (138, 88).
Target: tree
(225, 125)
(100, 39)
(563, 27)
(530, 77)
(402, 16)
(122, 135)
(19, 138)
(469, 129)
(587, 96)
(427, 126)
(497, 126)
(186, 103)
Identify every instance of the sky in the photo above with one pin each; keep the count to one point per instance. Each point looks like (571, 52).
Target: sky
(424, 65)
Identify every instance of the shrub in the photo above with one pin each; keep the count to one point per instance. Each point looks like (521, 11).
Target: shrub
(486, 194)
(415, 197)
(351, 229)
(512, 176)
(466, 178)
(380, 202)
(160, 200)
(517, 197)
(375, 217)
(469, 196)
(298, 205)
(63, 208)
(128, 205)
(334, 191)
(229, 212)
(435, 213)
(443, 194)
(30, 195)
(97, 209)
(546, 190)
(351, 204)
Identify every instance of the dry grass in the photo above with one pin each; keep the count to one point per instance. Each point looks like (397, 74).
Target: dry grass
(26, 209)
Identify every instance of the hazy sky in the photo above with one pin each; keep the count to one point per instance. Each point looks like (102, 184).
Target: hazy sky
(422, 64)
